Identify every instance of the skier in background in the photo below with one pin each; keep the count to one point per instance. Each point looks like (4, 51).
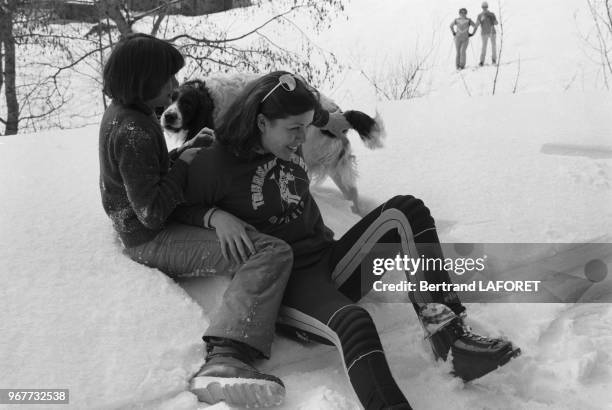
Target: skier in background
(487, 22)
(460, 27)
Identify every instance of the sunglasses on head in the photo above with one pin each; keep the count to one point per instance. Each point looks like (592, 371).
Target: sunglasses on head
(287, 81)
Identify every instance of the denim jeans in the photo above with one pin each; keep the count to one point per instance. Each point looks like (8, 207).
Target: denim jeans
(250, 304)
(483, 51)
(461, 44)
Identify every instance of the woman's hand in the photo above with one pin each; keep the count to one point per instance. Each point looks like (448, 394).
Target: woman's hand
(232, 235)
(204, 138)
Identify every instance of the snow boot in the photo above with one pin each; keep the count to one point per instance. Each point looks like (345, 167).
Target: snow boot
(473, 355)
(228, 376)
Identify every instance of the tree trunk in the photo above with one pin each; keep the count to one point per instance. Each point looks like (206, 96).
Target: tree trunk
(111, 9)
(10, 86)
(1, 52)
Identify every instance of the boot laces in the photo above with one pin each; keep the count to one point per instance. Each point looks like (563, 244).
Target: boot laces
(468, 333)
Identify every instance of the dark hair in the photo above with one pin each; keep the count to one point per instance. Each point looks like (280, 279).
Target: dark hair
(462, 10)
(138, 67)
(238, 125)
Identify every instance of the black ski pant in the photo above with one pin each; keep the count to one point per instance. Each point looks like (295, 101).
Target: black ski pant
(319, 299)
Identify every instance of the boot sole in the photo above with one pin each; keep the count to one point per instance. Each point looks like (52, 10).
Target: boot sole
(238, 392)
(469, 376)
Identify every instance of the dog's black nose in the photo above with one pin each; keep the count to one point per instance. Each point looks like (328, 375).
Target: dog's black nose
(170, 117)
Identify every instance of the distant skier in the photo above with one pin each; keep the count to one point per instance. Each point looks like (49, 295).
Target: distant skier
(460, 27)
(487, 22)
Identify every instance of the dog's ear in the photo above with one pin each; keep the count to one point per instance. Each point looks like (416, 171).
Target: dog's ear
(206, 107)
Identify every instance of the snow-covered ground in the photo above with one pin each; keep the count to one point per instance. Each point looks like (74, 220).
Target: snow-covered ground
(535, 166)
(79, 314)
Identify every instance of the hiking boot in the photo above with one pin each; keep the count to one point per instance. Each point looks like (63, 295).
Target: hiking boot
(230, 378)
(473, 355)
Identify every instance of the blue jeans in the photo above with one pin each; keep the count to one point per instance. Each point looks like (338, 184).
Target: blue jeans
(250, 304)
(483, 52)
(461, 44)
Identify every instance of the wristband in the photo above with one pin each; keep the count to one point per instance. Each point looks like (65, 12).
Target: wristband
(207, 220)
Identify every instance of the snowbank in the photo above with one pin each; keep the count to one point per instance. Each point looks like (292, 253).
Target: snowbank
(79, 314)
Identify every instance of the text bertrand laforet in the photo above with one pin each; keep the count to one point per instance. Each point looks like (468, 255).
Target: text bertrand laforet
(459, 266)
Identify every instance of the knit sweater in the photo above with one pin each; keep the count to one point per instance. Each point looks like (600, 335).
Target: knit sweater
(269, 193)
(139, 190)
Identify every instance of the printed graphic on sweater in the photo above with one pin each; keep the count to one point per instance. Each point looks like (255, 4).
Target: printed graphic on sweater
(282, 180)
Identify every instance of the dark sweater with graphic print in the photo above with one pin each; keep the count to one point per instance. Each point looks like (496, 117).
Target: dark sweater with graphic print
(269, 193)
(139, 191)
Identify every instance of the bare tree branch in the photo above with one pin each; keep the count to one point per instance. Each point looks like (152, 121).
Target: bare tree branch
(518, 74)
(601, 47)
(240, 37)
(74, 63)
(112, 9)
(501, 45)
(157, 23)
(154, 11)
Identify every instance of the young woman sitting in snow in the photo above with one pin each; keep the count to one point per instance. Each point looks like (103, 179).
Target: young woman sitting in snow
(255, 171)
(140, 190)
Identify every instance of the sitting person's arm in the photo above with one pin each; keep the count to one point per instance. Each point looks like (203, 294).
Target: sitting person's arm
(203, 194)
(152, 193)
(204, 138)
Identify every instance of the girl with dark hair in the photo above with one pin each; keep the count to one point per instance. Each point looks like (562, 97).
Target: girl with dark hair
(141, 187)
(255, 170)
(460, 27)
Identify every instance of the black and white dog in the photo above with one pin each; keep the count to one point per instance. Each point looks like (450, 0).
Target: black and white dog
(327, 151)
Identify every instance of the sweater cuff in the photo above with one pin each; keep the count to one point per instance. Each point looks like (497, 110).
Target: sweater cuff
(194, 215)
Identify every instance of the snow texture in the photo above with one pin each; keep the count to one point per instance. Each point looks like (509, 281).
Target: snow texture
(79, 314)
(529, 167)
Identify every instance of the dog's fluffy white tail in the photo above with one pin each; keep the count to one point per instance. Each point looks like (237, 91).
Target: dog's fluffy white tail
(371, 130)
(377, 133)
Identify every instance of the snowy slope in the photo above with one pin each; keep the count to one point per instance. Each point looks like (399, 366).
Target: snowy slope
(78, 314)
(530, 167)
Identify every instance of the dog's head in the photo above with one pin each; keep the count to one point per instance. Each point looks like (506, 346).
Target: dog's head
(370, 130)
(190, 111)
